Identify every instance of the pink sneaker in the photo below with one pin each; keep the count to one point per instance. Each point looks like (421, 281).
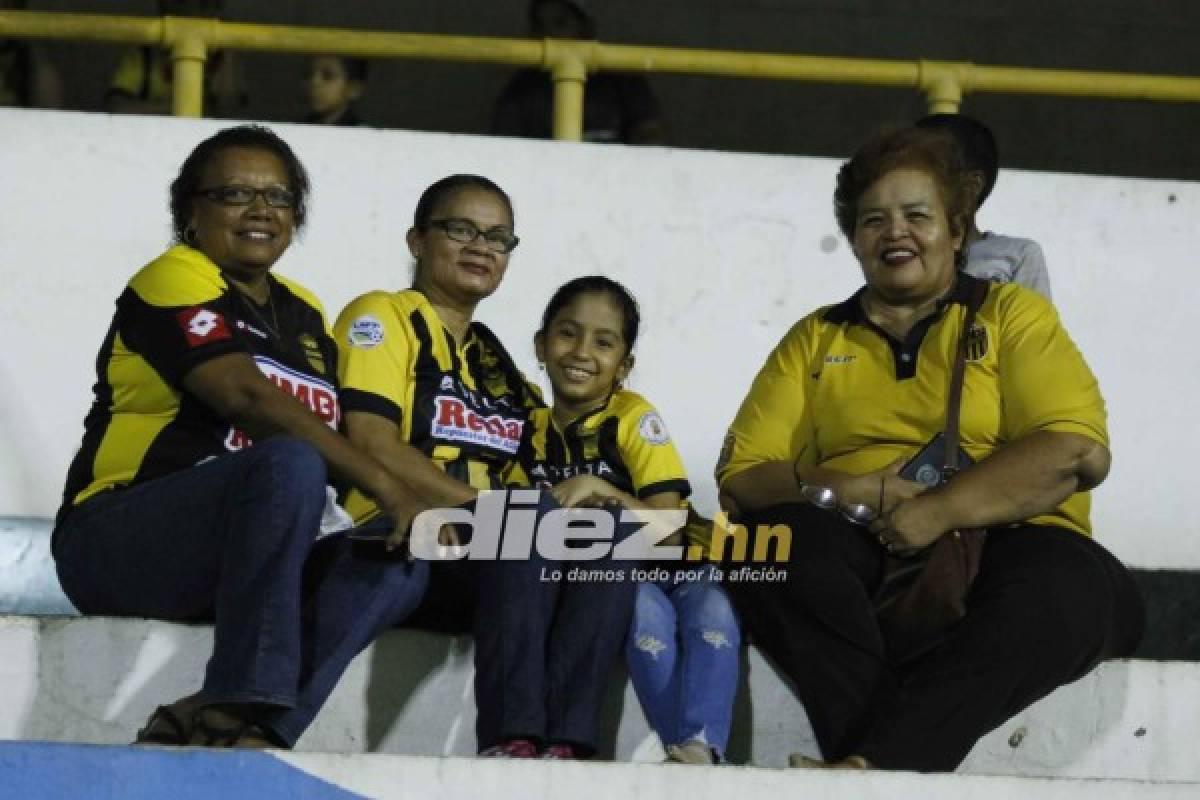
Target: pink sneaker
(560, 752)
(513, 748)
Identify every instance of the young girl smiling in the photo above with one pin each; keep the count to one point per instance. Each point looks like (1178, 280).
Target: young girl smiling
(601, 444)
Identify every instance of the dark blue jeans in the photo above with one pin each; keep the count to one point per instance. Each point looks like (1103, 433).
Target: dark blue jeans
(229, 540)
(544, 645)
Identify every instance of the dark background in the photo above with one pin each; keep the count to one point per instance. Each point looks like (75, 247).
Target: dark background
(1047, 133)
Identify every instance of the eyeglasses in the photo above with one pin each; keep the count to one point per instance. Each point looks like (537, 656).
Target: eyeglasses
(274, 196)
(826, 498)
(498, 240)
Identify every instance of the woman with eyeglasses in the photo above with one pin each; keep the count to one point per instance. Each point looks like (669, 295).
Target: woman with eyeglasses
(432, 393)
(200, 488)
(853, 394)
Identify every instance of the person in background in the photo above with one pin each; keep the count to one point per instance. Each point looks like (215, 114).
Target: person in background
(28, 79)
(855, 390)
(604, 445)
(991, 256)
(143, 83)
(334, 85)
(617, 107)
(200, 489)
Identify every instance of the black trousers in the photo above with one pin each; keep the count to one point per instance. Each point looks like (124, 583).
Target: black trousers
(1047, 607)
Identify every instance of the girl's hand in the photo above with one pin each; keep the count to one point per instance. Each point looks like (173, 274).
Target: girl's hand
(585, 490)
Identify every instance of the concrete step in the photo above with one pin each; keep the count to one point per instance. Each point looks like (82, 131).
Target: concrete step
(96, 680)
(54, 771)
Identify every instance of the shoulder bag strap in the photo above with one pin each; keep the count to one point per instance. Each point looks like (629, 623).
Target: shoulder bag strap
(954, 396)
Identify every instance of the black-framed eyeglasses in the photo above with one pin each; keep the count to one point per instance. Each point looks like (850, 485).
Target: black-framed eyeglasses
(274, 196)
(500, 240)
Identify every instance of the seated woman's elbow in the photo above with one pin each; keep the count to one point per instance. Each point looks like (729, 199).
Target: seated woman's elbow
(1093, 465)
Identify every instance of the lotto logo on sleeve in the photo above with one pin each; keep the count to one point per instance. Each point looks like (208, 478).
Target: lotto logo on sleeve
(202, 326)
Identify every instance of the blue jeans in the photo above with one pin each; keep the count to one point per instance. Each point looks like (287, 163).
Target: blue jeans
(231, 540)
(544, 647)
(682, 653)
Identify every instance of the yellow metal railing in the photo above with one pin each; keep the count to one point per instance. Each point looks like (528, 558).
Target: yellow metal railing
(943, 82)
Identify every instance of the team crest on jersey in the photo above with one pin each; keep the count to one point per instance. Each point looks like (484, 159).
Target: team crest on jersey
(312, 352)
(202, 325)
(977, 342)
(455, 421)
(652, 429)
(365, 332)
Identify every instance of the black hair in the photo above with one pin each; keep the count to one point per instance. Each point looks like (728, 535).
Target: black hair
(631, 317)
(250, 137)
(587, 25)
(977, 142)
(447, 186)
(356, 68)
(932, 151)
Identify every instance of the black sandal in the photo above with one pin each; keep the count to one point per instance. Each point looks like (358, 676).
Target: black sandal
(243, 733)
(164, 728)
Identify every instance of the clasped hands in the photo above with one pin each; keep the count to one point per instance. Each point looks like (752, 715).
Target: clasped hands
(909, 517)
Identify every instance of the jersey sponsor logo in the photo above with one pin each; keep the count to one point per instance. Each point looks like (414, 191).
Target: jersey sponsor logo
(977, 342)
(202, 325)
(365, 332)
(477, 399)
(652, 429)
(840, 359)
(319, 396)
(546, 475)
(455, 421)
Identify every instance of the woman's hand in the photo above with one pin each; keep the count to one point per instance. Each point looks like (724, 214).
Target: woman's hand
(870, 488)
(912, 524)
(586, 490)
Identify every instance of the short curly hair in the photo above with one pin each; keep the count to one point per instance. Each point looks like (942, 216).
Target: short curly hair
(932, 151)
(250, 137)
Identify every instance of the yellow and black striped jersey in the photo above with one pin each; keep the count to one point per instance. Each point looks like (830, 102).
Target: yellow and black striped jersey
(839, 392)
(624, 442)
(176, 313)
(463, 405)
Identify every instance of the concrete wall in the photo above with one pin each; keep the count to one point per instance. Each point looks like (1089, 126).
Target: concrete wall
(723, 251)
(96, 680)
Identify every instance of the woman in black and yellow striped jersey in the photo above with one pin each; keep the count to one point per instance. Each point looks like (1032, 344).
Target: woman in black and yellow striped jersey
(431, 392)
(168, 511)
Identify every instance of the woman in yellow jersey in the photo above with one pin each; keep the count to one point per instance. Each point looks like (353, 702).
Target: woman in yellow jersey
(601, 444)
(168, 510)
(432, 393)
(850, 395)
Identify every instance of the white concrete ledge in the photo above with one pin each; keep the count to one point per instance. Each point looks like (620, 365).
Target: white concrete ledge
(45, 770)
(96, 679)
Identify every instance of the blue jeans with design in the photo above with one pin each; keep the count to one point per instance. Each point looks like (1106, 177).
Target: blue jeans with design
(682, 653)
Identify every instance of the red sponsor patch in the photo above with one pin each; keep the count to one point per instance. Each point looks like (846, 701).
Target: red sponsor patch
(202, 325)
(456, 422)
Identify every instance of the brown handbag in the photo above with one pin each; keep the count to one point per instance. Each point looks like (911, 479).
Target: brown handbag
(923, 594)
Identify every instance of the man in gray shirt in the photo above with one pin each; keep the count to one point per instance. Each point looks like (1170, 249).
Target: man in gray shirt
(991, 256)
